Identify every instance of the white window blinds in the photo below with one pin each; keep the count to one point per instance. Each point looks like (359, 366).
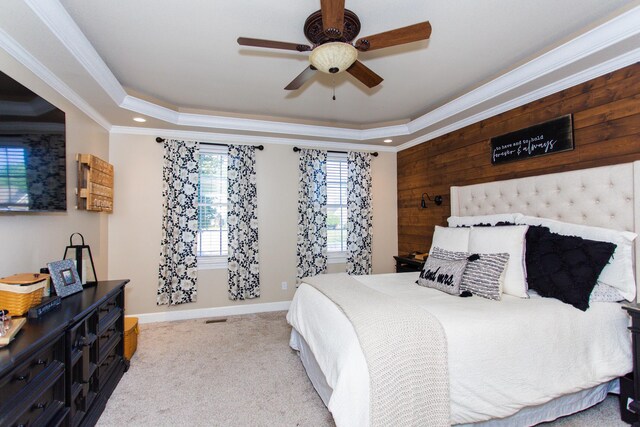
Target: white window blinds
(337, 202)
(212, 202)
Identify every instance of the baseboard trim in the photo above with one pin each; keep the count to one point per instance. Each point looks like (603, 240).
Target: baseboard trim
(198, 313)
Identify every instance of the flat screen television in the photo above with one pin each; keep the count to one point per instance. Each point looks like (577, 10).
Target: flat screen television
(32, 151)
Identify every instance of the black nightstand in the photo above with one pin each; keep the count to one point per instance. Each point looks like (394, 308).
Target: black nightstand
(630, 383)
(406, 263)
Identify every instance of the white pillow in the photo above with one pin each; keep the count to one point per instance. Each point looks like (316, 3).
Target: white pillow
(468, 221)
(451, 239)
(510, 239)
(619, 272)
(604, 293)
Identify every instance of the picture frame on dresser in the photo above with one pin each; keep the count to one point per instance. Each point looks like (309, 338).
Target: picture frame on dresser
(65, 278)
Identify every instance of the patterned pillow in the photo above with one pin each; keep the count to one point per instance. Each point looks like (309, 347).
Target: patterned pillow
(605, 293)
(442, 274)
(565, 267)
(482, 277)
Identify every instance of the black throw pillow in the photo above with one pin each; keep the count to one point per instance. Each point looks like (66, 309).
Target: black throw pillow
(564, 267)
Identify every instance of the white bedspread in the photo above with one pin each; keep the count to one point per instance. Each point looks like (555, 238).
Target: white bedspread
(503, 355)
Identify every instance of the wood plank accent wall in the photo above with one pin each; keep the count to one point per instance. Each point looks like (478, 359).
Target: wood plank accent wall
(606, 115)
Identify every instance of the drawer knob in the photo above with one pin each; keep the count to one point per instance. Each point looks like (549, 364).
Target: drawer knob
(40, 362)
(22, 377)
(107, 334)
(39, 406)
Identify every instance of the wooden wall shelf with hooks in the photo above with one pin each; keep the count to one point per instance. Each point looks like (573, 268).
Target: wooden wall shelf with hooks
(95, 184)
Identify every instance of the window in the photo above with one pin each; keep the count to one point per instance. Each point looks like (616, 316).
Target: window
(337, 170)
(212, 206)
(13, 178)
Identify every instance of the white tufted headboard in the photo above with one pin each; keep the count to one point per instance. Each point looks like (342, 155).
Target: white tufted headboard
(607, 196)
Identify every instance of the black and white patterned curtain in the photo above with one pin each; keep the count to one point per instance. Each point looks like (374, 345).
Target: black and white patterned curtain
(359, 213)
(178, 270)
(312, 213)
(242, 220)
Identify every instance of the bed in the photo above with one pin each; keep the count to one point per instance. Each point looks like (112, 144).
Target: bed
(512, 362)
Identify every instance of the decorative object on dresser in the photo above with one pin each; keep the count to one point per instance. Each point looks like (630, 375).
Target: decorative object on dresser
(64, 277)
(8, 332)
(81, 255)
(20, 292)
(407, 263)
(48, 304)
(95, 184)
(61, 371)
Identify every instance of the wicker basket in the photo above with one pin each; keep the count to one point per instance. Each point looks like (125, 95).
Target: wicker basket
(19, 299)
(131, 332)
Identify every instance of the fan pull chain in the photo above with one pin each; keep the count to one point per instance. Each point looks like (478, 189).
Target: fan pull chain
(334, 88)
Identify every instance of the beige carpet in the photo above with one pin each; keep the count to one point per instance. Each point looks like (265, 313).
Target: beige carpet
(238, 373)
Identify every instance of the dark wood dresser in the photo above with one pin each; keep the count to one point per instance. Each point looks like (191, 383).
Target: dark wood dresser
(61, 369)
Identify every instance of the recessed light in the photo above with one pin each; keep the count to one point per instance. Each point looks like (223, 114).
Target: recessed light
(139, 119)
(388, 140)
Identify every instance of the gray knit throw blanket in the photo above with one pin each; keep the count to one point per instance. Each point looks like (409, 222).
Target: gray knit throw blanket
(406, 352)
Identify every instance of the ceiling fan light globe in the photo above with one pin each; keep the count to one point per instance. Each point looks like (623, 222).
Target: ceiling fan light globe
(331, 56)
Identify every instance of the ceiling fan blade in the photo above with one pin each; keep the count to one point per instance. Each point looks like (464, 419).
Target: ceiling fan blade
(412, 33)
(332, 17)
(301, 79)
(245, 41)
(364, 74)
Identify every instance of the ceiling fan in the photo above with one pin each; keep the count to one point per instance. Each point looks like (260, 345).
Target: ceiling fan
(331, 30)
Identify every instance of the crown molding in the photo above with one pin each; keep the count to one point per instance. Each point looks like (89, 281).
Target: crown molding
(594, 40)
(16, 50)
(251, 125)
(53, 14)
(616, 63)
(223, 138)
(58, 20)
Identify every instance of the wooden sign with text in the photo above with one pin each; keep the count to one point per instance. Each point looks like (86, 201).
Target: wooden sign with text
(95, 184)
(545, 138)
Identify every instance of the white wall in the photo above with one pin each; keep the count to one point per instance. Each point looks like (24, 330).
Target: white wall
(29, 241)
(134, 227)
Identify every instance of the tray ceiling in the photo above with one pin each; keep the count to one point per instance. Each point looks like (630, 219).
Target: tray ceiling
(182, 58)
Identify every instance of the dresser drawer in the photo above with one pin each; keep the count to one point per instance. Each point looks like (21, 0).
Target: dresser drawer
(42, 404)
(25, 373)
(105, 309)
(108, 364)
(105, 336)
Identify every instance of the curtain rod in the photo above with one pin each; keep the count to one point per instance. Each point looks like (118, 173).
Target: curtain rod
(374, 154)
(259, 147)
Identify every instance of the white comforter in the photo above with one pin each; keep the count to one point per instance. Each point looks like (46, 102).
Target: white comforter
(503, 355)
